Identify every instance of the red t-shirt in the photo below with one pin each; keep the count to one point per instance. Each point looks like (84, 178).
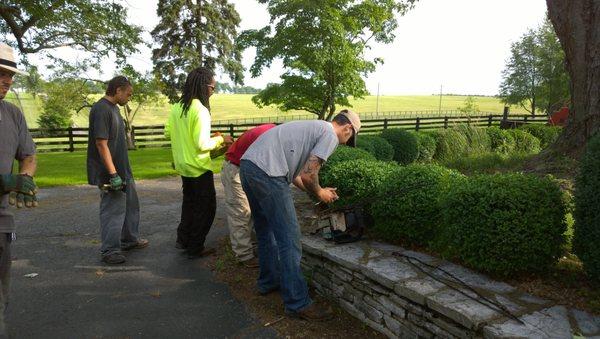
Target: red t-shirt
(239, 147)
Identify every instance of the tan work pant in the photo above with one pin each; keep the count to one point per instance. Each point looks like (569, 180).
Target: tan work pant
(238, 212)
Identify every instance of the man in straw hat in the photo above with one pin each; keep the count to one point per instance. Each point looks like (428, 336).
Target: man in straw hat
(15, 143)
(292, 152)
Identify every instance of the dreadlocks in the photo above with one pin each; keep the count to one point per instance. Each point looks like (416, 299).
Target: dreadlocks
(196, 87)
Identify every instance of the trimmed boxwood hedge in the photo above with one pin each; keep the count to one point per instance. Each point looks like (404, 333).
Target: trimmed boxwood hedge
(357, 181)
(426, 144)
(344, 153)
(525, 142)
(405, 145)
(376, 145)
(586, 239)
(546, 133)
(501, 140)
(504, 223)
(408, 206)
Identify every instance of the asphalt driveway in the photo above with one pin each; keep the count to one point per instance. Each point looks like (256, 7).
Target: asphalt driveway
(60, 289)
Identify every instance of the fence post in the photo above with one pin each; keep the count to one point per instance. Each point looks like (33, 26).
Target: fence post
(446, 122)
(133, 135)
(505, 113)
(231, 130)
(385, 123)
(71, 144)
(490, 120)
(417, 124)
(525, 118)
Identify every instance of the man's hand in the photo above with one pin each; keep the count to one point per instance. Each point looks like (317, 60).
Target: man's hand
(228, 140)
(328, 195)
(19, 200)
(20, 183)
(116, 183)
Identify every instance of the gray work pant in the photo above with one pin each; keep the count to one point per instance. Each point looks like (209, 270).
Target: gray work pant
(5, 263)
(119, 219)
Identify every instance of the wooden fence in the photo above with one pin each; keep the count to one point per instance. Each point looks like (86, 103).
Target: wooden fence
(75, 139)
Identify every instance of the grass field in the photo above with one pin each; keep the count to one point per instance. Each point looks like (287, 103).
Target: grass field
(240, 106)
(61, 169)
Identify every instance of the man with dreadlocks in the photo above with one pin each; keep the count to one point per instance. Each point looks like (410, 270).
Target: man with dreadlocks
(188, 127)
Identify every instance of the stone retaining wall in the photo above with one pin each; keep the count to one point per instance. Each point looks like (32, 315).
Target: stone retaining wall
(397, 297)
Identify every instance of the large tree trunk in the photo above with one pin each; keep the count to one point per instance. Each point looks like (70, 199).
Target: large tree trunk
(577, 25)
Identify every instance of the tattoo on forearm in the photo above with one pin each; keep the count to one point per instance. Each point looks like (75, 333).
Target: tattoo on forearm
(311, 172)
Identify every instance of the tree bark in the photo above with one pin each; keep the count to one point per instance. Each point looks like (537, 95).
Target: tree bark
(577, 25)
(128, 129)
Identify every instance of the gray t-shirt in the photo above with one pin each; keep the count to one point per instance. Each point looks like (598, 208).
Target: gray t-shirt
(283, 150)
(15, 143)
(106, 123)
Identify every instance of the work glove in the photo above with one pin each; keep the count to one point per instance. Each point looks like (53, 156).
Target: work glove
(116, 183)
(20, 183)
(19, 200)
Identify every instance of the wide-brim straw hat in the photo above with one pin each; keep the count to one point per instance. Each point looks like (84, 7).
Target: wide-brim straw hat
(7, 59)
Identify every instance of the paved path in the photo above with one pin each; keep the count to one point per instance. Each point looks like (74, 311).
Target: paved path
(158, 293)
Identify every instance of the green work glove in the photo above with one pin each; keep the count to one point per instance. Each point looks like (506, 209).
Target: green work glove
(19, 200)
(116, 183)
(20, 183)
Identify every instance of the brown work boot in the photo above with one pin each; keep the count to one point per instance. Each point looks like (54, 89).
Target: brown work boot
(251, 263)
(200, 254)
(314, 312)
(113, 259)
(142, 243)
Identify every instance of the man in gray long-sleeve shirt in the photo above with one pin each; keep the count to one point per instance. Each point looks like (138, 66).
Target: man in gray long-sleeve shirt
(15, 143)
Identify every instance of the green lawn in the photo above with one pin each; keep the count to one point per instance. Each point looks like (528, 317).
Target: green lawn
(61, 169)
(240, 106)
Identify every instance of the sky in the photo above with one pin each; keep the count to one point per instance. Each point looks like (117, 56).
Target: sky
(460, 45)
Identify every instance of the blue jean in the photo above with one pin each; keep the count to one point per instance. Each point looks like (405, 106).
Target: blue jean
(278, 235)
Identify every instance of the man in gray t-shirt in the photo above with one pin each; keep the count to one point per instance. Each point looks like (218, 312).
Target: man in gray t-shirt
(108, 168)
(15, 144)
(292, 152)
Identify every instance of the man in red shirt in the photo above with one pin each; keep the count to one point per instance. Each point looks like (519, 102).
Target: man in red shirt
(237, 207)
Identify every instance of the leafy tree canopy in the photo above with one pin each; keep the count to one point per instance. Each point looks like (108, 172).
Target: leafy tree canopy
(535, 77)
(322, 46)
(95, 26)
(192, 34)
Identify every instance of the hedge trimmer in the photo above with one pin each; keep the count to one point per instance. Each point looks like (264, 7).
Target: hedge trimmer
(346, 223)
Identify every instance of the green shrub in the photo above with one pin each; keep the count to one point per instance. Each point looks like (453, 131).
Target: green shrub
(586, 239)
(525, 142)
(376, 145)
(501, 140)
(408, 203)
(504, 223)
(357, 181)
(546, 133)
(404, 143)
(426, 144)
(344, 153)
(461, 140)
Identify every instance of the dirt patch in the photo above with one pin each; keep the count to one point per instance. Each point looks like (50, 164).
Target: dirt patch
(269, 309)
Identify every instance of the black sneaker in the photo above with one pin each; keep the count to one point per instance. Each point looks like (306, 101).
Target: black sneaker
(114, 259)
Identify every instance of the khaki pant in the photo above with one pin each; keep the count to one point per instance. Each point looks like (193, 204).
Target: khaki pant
(238, 212)
(5, 263)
